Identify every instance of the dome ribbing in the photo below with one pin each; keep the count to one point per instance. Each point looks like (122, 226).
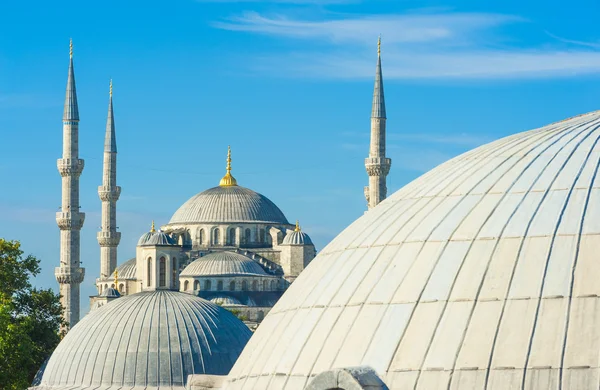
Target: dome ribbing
(223, 263)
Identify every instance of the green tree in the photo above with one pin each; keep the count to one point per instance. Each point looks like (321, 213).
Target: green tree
(30, 318)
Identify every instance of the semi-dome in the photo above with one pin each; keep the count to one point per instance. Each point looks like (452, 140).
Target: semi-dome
(297, 237)
(221, 264)
(482, 273)
(126, 271)
(146, 340)
(228, 204)
(156, 238)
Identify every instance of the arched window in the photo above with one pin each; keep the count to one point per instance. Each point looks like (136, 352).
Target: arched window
(265, 285)
(105, 286)
(260, 315)
(220, 285)
(162, 272)
(201, 237)
(112, 285)
(247, 236)
(232, 285)
(121, 288)
(216, 236)
(244, 285)
(186, 285)
(272, 285)
(262, 236)
(149, 272)
(196, 285)
(231, 236)
(255, 285)
(174, 272)
(207, 284)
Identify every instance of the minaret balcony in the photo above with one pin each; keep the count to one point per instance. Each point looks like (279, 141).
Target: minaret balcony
(70, 166)
(70, 220)
(378, 166)
(69, 275)
(109, 194)
(110, 239)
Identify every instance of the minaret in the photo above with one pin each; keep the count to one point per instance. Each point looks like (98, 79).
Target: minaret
(109, 193)
(70, 220)
(378, 166)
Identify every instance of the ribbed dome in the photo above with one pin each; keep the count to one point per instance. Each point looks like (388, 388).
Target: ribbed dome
(482, 273)
(149, 339)
(224, 300)
(127, 270)
(223, 263)
(155, 238)
(110, 293)
(228, 204)
(296, 238)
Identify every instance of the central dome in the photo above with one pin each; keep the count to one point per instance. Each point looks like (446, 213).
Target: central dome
(147, 340)
(481, 274)
(228, 204)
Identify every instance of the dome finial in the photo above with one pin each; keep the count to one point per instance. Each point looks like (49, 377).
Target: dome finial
(228, 180)
(297, 229)
(152, 230)
(117, 280)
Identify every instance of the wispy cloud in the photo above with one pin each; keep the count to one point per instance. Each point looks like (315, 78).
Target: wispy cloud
(426, 45)
(455, 139)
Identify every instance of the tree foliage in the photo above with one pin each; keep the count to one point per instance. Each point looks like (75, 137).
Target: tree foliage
(30, 318)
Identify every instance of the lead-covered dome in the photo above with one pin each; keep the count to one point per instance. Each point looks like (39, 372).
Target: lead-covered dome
(156, 238)
(223, 264)
(228, 204)
(482, 273)
(146, 340)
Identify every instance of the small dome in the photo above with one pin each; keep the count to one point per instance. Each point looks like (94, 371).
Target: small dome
(224, 300)
(147, 340)
(228, 204)
(157, 238)
(297, 238)
(223, 263)
(110, 293)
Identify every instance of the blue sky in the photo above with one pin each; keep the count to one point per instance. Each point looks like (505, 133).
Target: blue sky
(287, 83)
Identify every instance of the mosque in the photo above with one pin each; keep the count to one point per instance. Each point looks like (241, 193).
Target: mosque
(480, 274)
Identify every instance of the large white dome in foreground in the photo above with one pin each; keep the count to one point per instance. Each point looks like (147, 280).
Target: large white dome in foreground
(482, 273)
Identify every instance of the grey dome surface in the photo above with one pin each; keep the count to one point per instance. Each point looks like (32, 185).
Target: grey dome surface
(146, 340)
(224, 300)
(223, 263)
(296, 238)
(228, 204)
(111, 293)
(157, 238)
(481, 274)
(127, 270)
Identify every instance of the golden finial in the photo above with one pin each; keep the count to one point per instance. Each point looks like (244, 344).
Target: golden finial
(297, 229)
(152, 230)
(117, 280)
(71, 47)
(379, 45)
(110, 88)
(228, 180)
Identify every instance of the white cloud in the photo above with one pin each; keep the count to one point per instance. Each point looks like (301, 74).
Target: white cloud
(416, 45)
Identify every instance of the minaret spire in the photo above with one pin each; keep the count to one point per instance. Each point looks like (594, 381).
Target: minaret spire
(377, 164)
(108, 237)
(69, 273)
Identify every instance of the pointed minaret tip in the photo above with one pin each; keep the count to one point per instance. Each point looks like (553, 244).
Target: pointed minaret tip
(379, 46)
(110, 88)
(378, 109)
(71, 111)
(71, 47)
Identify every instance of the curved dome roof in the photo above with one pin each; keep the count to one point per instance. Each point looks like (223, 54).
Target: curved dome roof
(146, 340)
(127, 270)
(111, 293)
(223, 263)
(157, 238)
(226, 204)
(224, 300)
(482, 273)
(296, 238)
